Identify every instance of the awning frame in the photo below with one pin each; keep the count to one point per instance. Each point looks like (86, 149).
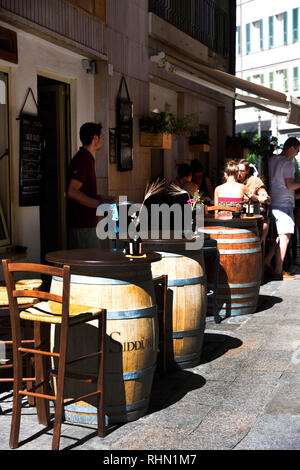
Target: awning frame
(226, 84)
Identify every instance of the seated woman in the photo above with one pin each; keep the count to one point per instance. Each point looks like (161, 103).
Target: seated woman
(231, 193)
(255, 187)
(184, 174)
(203, 182)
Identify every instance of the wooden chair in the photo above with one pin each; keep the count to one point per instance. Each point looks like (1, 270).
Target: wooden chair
(165, 345)
(5, 328)
(57, 310)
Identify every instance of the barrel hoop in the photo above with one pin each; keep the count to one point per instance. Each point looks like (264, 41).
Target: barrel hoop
(128, 314)
(186, 282)
(129, 407)
(240, 252)
(187, 358)
(118, 409)
(76, 279)
(133, 375)
(245, 304)
(224, 241)
(245, 311)
(126, 417)
(224, 232)
(236, 296)
(187, 333)
(237, 286)
(167, 254)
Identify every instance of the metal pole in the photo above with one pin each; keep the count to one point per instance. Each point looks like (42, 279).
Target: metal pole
(259, 136)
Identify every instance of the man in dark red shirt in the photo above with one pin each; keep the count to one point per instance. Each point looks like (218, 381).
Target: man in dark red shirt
(83, 199)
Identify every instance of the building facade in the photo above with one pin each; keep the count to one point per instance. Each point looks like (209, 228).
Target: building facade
(62, 61)
(267, 53)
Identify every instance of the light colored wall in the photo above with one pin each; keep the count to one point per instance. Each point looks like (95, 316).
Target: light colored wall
(127, 49)
(38, 56)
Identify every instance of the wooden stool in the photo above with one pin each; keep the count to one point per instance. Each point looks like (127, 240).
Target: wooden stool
(58, 311)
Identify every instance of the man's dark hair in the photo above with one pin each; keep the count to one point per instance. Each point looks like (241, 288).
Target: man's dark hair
(291, 142)
(197, 166)
(88, 131)
(184, 169)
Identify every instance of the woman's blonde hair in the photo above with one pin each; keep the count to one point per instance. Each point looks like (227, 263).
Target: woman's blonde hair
(231, 168)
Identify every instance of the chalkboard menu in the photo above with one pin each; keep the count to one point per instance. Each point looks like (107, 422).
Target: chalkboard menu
(124, 130)
(31, 146)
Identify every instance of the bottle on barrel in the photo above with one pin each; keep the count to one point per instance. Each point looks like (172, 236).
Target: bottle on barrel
(249, 206)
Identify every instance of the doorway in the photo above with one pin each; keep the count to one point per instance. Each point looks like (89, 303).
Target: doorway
(5, 189)
(54, 112)
(157, 164)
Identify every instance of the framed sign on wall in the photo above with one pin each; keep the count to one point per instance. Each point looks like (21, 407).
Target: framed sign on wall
(31, 147)
(124, 130)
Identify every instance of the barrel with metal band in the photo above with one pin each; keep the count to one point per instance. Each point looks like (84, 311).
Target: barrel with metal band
(187, 286)
(240, 270)
(131, 341)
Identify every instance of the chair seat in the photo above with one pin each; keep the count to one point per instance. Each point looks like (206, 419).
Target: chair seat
(23, 284)
(50, 312)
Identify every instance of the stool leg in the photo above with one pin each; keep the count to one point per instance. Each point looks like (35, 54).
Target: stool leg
(17, 398)
(59, 402)
(28, 335)
(100, 382)
(41, 375)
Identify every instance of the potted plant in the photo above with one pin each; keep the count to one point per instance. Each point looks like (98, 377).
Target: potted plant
(238, 145)
(261, 149)
(157, 129)
(199, 141)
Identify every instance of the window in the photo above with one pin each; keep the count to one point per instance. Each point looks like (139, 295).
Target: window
(271, 80)
(238, 39)
(285, 27)
(285, 80)
(262, 79)
(271, 31)
(248, 46)
(295, 24)
(261, 35)
(8, 45)
(295, 78)
(95, 8)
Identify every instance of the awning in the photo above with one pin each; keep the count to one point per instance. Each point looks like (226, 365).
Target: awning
(266, 99)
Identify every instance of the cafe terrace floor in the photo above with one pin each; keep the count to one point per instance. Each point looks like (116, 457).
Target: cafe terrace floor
(244, 394)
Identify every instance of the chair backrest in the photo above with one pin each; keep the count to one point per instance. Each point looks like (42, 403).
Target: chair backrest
(9, 270)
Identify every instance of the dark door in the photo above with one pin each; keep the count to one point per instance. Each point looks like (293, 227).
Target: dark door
(54, 110)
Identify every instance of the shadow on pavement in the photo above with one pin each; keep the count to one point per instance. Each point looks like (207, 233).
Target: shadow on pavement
(266, 302)
(216, 345)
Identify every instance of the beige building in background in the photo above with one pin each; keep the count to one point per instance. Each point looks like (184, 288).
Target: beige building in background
(72, 55)
(268, 54)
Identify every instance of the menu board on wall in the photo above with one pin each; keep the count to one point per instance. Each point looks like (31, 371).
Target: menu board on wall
(124, 130)
(31, 146)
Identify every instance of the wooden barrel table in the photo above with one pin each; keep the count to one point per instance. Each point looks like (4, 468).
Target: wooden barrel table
(122, 285)
(240, 269)
(187, 288)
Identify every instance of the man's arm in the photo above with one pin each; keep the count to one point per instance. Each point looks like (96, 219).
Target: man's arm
(75, 193)
(291, 184)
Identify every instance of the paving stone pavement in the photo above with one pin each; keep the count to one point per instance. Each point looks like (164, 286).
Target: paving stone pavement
(243, 396)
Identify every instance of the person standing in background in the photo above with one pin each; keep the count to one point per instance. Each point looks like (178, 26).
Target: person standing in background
(203, 182)
(282, 191)
(83, 199)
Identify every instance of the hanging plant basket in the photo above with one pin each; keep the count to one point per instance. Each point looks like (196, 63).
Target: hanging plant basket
(199, 148)
(156, 140)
